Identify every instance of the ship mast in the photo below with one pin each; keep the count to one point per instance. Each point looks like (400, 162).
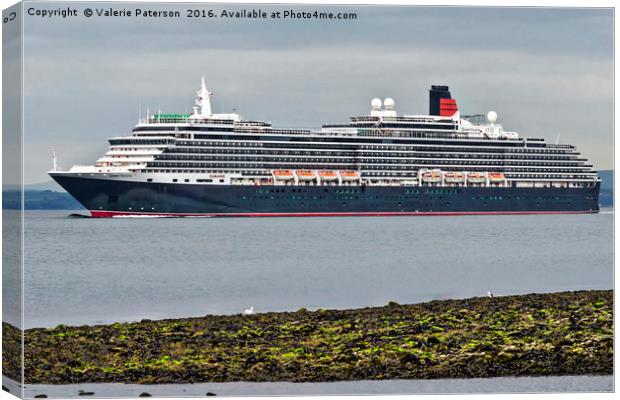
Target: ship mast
(54, 161)
(203, 100)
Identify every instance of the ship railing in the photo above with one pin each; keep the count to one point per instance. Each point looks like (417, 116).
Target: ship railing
(83, 167)
(253, 123)
(92, 169)
(295, 132)
(327, 126)
(187, 120)
(366, 119)
(405, 118)
(273, 131)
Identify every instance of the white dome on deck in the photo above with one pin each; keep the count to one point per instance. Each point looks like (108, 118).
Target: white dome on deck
(492, 116)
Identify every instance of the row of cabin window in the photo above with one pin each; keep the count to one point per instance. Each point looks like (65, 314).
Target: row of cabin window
(174, 180)
(366, 167)
(362, 159)
(178, 152)
(368, 142)
(300, 190)
(383, 198)
(365, 174)
(198, 145)
(345, 204)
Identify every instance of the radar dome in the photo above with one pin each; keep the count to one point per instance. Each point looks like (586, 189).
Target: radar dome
(375, 103)
(389, 103)
(492, 116)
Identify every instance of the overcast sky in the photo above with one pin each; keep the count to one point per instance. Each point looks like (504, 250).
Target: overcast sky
(544, 71)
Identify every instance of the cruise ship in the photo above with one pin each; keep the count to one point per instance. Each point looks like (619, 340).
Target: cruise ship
(379, 164)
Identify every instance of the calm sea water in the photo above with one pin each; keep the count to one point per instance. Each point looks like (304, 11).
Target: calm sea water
(552, 384)
(86, 271)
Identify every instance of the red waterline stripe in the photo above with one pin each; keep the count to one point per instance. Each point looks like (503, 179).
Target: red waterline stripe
(108, 214)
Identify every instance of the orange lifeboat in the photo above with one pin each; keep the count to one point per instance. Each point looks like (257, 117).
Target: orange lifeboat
(433, 176)
(349, 176)
(328, 176)
(496, 177)
(477, 177)
(454, 177)
(305, 175)
(283, 174)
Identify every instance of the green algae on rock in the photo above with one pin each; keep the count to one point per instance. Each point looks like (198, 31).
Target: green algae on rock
(11, 352)
(567, 333)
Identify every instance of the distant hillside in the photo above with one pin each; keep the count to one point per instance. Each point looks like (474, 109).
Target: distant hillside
(40, 200)
(606, 198)
(35, 187)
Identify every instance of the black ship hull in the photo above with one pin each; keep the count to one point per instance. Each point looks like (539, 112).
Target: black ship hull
(108, 198)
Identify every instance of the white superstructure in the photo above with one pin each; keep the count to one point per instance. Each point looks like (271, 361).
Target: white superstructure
(381, 148)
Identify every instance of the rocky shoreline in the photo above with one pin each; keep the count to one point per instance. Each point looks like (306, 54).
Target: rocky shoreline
(566, 333)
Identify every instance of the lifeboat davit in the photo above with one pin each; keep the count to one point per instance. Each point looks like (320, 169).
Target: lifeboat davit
(477, 177)
(454, 177)
(305, 175)
(431, 176)
(328, 176)
(496, 177)
(283, 174)
(349, 176)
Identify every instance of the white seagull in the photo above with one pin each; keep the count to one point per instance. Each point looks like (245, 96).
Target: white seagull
(249, 311)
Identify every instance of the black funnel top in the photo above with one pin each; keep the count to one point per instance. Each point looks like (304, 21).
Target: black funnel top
(436, 93)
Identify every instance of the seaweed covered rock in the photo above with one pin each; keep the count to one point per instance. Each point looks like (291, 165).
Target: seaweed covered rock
(565, 333)
(11, 352)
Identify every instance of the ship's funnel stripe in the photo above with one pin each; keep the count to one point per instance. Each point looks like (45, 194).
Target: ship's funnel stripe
(447, 107)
